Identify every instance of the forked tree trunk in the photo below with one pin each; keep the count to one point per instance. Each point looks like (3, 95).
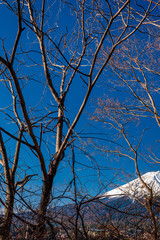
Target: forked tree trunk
(47, 185)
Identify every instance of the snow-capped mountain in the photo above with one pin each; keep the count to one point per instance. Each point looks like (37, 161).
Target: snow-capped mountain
(135, 188)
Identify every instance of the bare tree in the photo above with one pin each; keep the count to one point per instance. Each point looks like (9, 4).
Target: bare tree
(119, 120)
(10, 186)
(61, 61)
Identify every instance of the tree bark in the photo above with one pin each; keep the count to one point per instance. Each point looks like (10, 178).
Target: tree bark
(47, 185)
(7, 219)
(45, 197)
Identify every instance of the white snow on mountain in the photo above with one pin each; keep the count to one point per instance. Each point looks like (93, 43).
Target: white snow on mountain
(135, 188)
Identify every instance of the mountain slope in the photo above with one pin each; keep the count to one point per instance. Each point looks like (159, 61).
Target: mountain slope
(135, 188)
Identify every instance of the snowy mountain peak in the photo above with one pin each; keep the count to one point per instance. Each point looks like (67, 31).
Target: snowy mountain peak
(135, 188)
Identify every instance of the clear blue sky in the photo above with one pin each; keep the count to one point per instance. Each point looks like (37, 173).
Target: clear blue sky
(33, 92)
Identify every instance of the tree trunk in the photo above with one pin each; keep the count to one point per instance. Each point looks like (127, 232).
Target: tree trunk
(7, 219)
(47, 185)
(41, 218)
(153, 220)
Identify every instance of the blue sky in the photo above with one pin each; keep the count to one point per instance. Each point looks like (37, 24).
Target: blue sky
(33, 93)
